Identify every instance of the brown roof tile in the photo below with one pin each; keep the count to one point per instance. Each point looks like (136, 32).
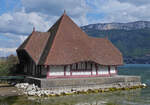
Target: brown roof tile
(65, 43)
(35, 44)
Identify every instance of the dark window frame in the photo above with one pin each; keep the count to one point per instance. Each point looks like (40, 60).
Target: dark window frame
(85, 68)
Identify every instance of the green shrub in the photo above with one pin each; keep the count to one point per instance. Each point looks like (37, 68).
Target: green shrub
(8, 66)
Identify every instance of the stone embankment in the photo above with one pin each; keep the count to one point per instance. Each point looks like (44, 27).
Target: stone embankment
(33, 90)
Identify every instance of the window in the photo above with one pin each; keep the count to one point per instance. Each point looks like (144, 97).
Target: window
(74, 66)
(82, 66)
(89, 66)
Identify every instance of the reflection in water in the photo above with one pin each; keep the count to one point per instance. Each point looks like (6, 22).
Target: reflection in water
(110, 98)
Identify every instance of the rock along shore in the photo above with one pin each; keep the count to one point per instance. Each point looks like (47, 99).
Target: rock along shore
(33, 90)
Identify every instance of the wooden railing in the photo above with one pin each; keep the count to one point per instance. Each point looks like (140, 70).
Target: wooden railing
(11, 77)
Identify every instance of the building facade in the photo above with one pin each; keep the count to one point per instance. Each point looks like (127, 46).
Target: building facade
(65, 51)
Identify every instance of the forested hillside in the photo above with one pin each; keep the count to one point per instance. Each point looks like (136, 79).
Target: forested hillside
(134, 43)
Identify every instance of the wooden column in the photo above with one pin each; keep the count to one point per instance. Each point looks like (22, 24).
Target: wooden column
(70, 70)
(91, 69)
(37, 68)
(109, 70)
(48, 71)
(65, 70)
(27, 68)
(41, 70)
(34, 69)
(96, 67)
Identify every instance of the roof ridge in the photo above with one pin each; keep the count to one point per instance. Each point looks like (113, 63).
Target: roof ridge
(52, 36)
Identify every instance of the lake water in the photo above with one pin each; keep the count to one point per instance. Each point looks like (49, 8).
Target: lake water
(131, 97)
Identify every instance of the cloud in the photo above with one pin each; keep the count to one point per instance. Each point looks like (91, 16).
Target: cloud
(56, 7)
(77, 9)
(136, 2)
(9, 42)
(41, 14)
(22, 22)
(7, 51)
(120, 10)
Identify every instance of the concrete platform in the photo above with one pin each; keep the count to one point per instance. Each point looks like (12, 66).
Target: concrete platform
(91, 82)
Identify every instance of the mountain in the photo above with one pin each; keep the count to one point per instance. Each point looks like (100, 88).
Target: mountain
(132, 39)
(121, 26)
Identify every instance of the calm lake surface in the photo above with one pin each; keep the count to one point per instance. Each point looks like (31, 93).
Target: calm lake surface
(131, 97)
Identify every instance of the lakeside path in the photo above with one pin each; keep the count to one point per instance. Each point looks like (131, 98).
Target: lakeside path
(6, 90)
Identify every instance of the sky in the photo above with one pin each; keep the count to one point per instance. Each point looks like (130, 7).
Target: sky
(18, 17)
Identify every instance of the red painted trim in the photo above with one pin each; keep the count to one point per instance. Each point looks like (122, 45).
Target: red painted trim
(104, 75)
(80, 76)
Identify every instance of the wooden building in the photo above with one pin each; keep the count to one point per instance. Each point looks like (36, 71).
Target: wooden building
(65, 51)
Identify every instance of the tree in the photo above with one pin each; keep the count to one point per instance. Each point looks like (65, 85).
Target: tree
(9, 66)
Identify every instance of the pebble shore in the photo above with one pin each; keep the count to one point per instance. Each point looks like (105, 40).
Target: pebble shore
(33, 90)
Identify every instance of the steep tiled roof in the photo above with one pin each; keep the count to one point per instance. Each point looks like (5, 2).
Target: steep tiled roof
(35, 44)
(65, 43)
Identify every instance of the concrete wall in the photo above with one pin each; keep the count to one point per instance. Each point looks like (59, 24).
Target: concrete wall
(84, 82)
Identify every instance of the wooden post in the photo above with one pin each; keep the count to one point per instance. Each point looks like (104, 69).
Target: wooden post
(109, 70)
(65, 70)
(41, 71)
(91, 70)
(96, 66)
(48, 71)
(27, 68)
(70, 70)
(37, 68)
